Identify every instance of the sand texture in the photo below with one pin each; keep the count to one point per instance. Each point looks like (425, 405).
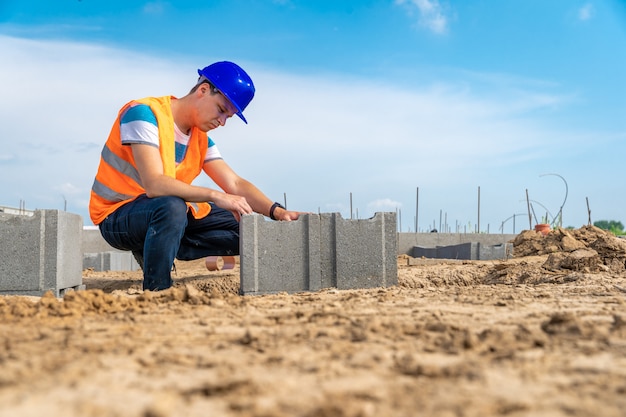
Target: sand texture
(542, 334)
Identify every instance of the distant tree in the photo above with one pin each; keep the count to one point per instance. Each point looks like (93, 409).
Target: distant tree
(613, 226)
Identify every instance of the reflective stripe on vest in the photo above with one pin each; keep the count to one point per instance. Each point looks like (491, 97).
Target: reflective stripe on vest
(124, 167)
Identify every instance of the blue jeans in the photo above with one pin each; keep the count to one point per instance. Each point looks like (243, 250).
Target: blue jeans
(159, 230)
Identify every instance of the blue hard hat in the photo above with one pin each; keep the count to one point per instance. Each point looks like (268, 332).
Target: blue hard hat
(233, 82)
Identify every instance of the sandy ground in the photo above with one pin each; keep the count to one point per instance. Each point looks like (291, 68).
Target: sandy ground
(543, 334)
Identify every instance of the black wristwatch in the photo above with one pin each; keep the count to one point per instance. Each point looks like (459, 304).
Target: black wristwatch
(274, 208)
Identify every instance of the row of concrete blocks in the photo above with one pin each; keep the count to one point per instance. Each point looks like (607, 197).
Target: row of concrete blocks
(43, 253)
(124, 261)
(109, 260)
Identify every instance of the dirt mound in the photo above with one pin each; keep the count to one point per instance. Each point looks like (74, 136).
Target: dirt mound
(588, 249)
(561, 256)
(96, 301)
(529, 242)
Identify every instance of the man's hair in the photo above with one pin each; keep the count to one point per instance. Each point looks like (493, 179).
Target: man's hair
(204, 80)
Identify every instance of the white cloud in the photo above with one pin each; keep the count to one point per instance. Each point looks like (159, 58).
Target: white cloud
(384, 204)
(4, 158)
(586, 12)
(68, 189)
(431, 14)
(63, 98)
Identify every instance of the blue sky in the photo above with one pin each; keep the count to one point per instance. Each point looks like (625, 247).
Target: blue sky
(373, 99)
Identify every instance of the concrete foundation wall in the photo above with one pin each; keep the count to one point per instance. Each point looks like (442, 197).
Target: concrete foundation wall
(467, 251)
(406, 241)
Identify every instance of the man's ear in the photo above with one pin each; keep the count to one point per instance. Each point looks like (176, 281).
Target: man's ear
(203, 89)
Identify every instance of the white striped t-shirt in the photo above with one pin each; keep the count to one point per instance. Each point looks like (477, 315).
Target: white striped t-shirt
(138, 124)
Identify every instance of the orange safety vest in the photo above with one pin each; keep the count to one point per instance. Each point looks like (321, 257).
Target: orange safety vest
(117, 180)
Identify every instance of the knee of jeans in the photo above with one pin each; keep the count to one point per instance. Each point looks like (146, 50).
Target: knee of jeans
(174, 208)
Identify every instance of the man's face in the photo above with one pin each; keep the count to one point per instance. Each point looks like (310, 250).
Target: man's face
(214, 108)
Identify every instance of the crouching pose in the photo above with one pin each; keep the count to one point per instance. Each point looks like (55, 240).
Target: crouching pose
(143, 199)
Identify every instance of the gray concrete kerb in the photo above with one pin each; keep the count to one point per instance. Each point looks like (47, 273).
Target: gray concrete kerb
(317, 251)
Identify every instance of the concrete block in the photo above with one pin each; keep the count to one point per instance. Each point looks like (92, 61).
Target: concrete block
(40, 253)
(460, 251)
(420, 252)
(501, 251)
(317, 251)
(110, 261)
(365, 250)
(279, 256)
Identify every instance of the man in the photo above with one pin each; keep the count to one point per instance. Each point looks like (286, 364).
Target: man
(142, 197)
